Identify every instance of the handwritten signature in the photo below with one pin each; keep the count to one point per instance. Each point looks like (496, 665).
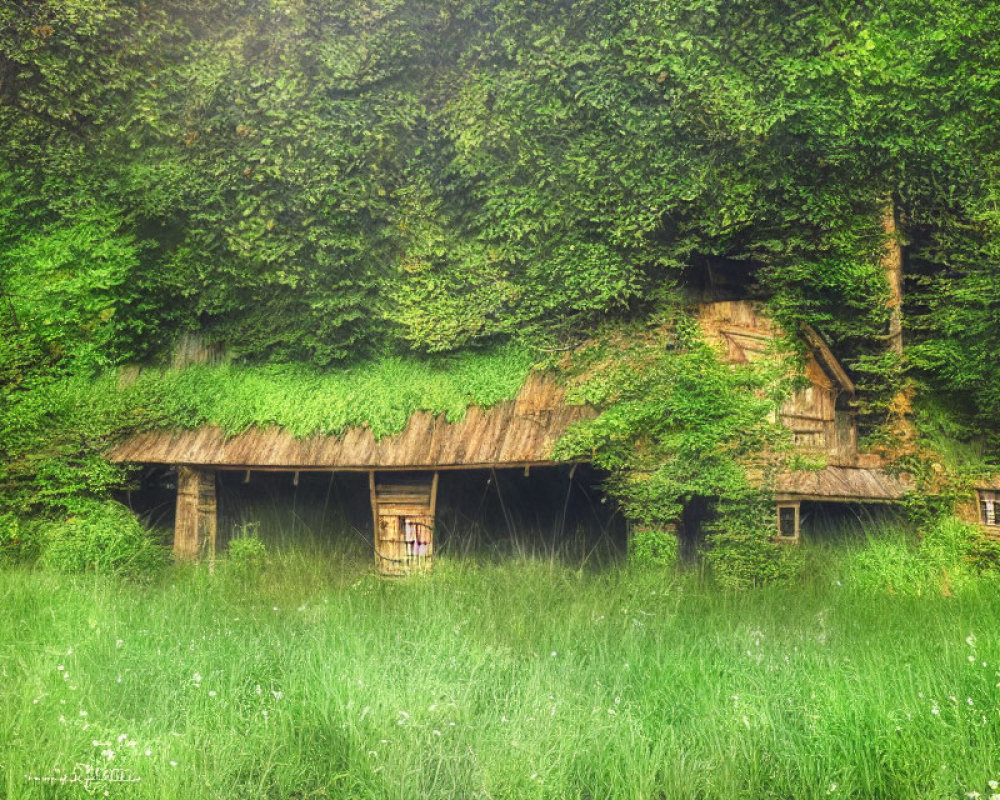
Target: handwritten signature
(88, 776)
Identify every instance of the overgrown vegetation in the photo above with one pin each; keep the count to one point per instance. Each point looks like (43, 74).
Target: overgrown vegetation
(357, 184)
(53, 437)
(314, 181)
(680, 423)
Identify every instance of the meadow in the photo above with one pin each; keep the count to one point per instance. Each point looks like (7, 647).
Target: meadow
(306, 676)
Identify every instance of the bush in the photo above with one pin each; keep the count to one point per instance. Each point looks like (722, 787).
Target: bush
(946, 559)
(247, 554)
(741, 550)
(102, 536)
(18, 539)
(653, 547)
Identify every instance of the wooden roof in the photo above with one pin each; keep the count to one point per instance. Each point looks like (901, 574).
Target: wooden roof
(841, 484)
(518, 432)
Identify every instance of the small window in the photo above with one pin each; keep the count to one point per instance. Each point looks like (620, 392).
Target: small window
(989, 507)
(788, 522)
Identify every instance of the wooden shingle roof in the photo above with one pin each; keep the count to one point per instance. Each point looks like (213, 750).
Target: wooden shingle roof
(518, 432)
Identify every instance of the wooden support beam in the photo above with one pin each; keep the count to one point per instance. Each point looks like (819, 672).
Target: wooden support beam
(434, 495)
(196, 524)
(374, 502)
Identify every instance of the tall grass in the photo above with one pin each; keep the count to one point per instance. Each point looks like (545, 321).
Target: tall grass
(526, 678)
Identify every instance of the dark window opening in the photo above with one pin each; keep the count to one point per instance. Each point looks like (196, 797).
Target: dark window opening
(788, 521)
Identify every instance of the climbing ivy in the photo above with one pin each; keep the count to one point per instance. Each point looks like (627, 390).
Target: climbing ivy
(679, 424)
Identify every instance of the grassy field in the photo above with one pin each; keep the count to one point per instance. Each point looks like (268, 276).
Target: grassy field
(526, 678)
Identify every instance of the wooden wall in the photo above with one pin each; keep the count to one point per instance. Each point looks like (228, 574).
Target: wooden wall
(403, 506)
(817, 425)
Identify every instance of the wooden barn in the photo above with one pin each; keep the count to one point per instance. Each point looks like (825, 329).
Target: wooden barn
(403, 470)
(821, 417)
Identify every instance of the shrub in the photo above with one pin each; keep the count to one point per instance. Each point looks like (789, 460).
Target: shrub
(102, 536)
(247, 554)
(946, 559)
(741, 551)
(653, 547)
(18, 539)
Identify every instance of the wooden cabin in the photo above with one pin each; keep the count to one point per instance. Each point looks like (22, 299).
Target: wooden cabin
(403, 470)
(820, 416)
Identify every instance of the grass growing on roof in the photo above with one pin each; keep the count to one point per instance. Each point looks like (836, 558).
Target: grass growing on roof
(52, 438)
(304, 400)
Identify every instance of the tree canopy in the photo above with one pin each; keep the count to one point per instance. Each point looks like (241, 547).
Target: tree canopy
(332, 180)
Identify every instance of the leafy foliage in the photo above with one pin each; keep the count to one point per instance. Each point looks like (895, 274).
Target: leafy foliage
(53, 437)
(678, 423)
(101, 537)
(348, 183)
(947, 558)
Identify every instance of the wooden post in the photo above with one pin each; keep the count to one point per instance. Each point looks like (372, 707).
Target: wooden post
(196, 524)
(434, 494)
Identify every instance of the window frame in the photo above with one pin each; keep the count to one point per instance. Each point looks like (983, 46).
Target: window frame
(989, 507)
(780, 535)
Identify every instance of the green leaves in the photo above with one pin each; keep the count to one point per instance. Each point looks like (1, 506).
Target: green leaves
(67, 283)
(676, 421)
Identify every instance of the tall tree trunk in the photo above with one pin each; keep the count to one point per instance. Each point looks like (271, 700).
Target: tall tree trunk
(901, 405)
(892, 262)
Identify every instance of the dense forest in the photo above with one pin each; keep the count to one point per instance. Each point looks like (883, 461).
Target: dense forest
(329, 184)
